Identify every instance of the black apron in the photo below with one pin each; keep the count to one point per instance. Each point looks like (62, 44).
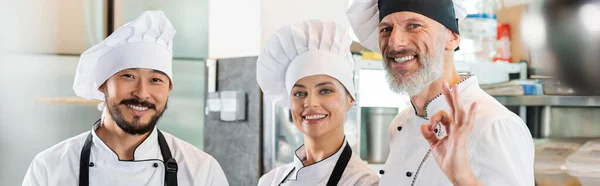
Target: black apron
(170, 163)
(338, 170)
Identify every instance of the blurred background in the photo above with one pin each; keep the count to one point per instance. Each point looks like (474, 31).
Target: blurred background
(513, 46)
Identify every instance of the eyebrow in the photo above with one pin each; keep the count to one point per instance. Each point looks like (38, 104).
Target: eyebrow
(318, 85)
(299, 85)
(323, 84)
(411, 19)
(159, 72)
(382, 24)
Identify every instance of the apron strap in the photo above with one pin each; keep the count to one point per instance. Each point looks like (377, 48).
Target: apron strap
(340, 166)
(170, 163)
(84, 160)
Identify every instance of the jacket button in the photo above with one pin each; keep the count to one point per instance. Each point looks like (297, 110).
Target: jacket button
(408, 174)
(381, 171)
(155, 165)
(91, 164)
(399, 128)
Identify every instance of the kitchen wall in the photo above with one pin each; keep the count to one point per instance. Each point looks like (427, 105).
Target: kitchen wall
(278, 13)
(236, 145)
(234, 28)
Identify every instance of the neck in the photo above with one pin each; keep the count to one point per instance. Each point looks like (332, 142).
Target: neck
(435, 88)
(321, 147)
(119, 141)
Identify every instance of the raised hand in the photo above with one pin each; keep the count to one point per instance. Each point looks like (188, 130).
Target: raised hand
(450, 152)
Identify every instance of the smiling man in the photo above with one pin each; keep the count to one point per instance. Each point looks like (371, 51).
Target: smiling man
(464, 137)
(130, 72)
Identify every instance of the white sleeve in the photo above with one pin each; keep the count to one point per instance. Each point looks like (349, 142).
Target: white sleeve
(504, 154)
(36, 174)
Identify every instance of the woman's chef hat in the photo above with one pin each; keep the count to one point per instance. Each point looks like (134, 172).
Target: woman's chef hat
(146, 42)
(309, 48)
(364, 15)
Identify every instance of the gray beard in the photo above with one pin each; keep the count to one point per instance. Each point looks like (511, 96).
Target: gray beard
(413, 83)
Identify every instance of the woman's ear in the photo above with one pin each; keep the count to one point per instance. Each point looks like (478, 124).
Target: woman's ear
(453, 41)
(349, 102)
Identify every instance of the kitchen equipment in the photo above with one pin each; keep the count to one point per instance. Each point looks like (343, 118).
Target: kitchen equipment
(503, 44)
(571, 54)
(549, 166)
(585, 163)
(378, 121)
(555, 87)
(374, 95)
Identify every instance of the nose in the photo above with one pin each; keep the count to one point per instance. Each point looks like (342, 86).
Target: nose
(311, 101)
(141, 91)
(398, 38)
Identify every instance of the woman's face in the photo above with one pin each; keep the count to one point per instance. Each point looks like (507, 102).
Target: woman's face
(319, 104)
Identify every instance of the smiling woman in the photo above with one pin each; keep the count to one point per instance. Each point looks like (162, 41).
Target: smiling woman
(314, 59)
(319, 104)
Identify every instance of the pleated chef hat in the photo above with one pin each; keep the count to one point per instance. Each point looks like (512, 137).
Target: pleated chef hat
(146, 42)
(364, 15)
(308, 48)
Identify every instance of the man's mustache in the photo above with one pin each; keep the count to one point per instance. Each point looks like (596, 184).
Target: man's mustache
(402, 52)
(142, 103)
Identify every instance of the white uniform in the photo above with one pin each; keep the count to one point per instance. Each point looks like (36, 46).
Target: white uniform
(500, 147)
(59, 165)
(356, 172)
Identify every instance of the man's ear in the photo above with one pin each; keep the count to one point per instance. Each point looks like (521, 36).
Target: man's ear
(102, 88)
(453, 41)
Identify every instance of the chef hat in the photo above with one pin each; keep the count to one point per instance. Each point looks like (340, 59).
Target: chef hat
(364, 15)
(309, 48)
(146, 42)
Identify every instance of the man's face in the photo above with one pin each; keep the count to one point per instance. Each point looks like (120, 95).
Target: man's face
(136, 98)
(413, 49)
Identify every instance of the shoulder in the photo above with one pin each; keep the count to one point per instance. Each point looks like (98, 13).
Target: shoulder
(492, 114)
(275, 175)
(358, 173)
(496, 125)
(63, 150)
(186, 151)
(55, 160)
(400, 118)
(489, 109)
(202, 167)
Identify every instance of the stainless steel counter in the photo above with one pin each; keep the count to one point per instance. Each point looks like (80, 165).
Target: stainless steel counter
(567, 101)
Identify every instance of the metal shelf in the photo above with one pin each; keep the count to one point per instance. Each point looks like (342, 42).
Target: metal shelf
(567, 101)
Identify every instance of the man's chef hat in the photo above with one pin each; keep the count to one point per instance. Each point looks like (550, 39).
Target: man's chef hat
(364, 15)
(146, 42)
(309, 48)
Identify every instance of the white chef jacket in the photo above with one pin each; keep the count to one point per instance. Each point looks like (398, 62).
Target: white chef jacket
(500, 147)
(356, 172)
(59, 165)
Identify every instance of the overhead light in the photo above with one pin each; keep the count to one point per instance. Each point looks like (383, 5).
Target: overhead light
(588, 15)
(533, 30)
